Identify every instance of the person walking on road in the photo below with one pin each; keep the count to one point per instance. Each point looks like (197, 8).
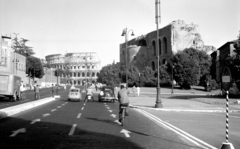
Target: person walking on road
(53, 90)
(134, 90)
(138, 91)
(37, 92)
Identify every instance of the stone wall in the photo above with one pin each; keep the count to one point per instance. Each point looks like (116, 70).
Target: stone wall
(174, 37)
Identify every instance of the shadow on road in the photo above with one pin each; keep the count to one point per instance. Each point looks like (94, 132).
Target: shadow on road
(170, 141)
(46, 135)
(101, 120)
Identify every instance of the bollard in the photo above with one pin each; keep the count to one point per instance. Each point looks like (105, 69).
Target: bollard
(227, 145)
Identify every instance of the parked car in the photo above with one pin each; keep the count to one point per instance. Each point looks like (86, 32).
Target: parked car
(106, 94)
(74, 94)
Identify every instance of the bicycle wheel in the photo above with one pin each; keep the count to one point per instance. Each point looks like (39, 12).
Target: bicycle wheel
(123, 115)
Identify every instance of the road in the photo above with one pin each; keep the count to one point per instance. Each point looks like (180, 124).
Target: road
(63, 124)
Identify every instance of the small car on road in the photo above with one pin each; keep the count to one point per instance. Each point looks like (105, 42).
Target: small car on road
(106, 94)
(75, 94)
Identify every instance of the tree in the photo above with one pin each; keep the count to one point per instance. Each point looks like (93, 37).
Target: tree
(34, 67)
(190, 65)
(20, 47)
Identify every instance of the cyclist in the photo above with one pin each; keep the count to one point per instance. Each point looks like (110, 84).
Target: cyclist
(123, 99)
(89, 92)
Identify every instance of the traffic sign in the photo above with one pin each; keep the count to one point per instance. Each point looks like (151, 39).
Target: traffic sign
(226, 78)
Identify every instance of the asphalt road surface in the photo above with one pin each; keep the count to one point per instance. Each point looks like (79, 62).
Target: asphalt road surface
(62, 124)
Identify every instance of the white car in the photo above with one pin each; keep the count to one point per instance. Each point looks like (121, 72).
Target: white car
(74, 94)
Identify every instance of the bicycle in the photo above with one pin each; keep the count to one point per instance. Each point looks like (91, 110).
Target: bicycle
(122, 112)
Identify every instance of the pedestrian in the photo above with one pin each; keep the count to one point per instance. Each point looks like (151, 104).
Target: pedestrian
(134, 90)
(138, 91)
(53, 90)
(37, 92)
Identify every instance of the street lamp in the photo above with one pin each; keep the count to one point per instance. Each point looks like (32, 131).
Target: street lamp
(172, 78)
(157, 13)
(125, 33)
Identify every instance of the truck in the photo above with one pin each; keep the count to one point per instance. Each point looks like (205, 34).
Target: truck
(10, 86)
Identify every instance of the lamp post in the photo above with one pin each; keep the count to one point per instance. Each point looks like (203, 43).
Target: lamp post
(125, 33)
(139, 74)
(172, 79)
(157, 13)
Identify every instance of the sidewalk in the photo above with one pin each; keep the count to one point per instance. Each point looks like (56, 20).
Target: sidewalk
(179, 105)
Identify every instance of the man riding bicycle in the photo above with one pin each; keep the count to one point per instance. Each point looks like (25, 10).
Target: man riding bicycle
(123, 99)
(89, 92)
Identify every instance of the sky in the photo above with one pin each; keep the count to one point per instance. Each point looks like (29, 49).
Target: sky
(61, 26)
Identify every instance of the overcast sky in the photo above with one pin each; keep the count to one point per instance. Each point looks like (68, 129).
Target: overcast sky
(60, 26)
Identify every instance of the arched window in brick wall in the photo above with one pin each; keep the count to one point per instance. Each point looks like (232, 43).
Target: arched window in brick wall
(93, 74)
(153, 65)
(79, 74)
(88, 74)
(83, 74)
(165, 45)
(154, 48)
(160, 47)
(74, 74)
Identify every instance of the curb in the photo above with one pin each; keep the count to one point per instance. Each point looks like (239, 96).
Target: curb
(185, 110)
(23, 107)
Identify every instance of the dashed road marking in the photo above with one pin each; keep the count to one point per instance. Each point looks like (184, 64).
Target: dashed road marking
(59, 107)
(53, 110)
(79, 115)
(22, 130)
(82, 108)
(116, 121)
(36, 120)
(113, 115)
(47, 114)
(110, 111)
(72, 129)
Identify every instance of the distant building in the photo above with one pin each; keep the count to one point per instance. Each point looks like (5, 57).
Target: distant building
(10, 61)
(177, 36)
(78, 67)
(219, 57)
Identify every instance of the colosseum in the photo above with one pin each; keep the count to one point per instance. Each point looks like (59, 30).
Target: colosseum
(78, 67)
(176, 36)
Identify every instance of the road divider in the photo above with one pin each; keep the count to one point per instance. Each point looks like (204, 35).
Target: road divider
(23, 107)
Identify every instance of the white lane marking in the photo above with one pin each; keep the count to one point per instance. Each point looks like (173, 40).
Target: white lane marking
(104, 103)
(107, 107)
(82, 108)
(113, 115)
(84, 104)
(59, 107)
(110, 111)
(36, 120)
(72, 129)
(47, 114)
(79, 115)
(53, 110)
(22, 130)
(177, 130)
(125, 132)
(221, 115)
(116, 121)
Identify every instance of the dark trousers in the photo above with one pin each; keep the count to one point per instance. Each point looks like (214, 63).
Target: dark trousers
(37, 95)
